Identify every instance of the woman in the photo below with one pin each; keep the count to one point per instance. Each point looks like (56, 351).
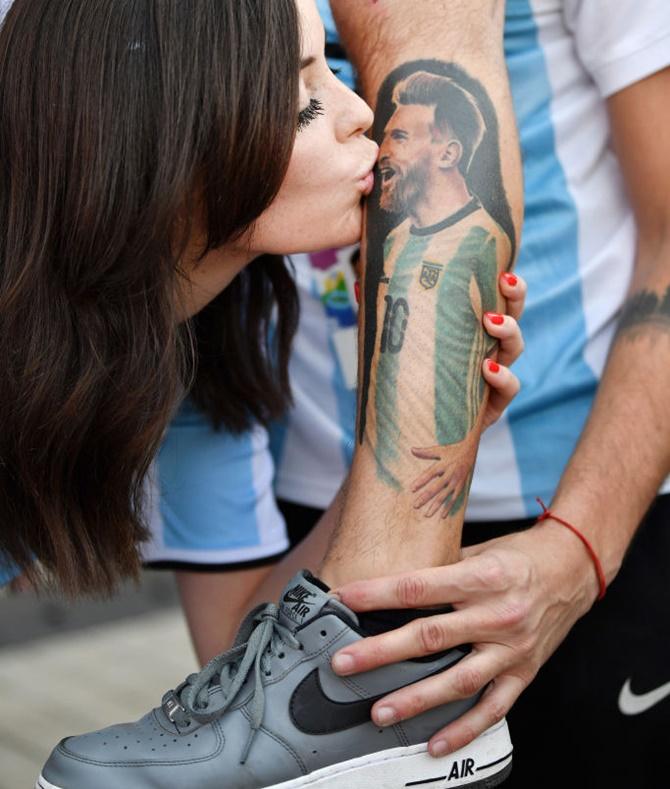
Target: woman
(157, 159)
(141, 178)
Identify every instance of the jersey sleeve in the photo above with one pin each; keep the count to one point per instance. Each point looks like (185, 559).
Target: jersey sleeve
(620, 42)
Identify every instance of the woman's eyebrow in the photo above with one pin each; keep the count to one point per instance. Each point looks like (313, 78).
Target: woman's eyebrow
(307, 62)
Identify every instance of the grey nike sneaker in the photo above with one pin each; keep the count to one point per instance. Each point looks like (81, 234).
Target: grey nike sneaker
(270, 712)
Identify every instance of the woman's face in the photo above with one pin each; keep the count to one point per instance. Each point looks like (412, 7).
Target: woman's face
(319, 203)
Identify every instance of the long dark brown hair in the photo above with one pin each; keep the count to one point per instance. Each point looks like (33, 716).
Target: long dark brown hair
(116, 121)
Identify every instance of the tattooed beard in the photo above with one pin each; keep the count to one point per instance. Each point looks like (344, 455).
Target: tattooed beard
(401, 194)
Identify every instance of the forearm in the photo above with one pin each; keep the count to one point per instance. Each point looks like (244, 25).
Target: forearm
(441, 225)
(624, 453)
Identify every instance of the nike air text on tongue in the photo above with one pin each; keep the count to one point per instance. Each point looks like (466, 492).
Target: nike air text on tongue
(303, 598)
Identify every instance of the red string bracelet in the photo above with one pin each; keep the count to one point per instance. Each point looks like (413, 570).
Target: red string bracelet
(546, 514)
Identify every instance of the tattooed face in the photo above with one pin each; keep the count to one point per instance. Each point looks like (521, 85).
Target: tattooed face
(403, 187)
(406, 157)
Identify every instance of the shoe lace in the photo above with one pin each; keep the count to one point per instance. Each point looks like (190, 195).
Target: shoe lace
(260, 636)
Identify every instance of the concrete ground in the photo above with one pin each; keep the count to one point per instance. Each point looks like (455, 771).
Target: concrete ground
(70, 669)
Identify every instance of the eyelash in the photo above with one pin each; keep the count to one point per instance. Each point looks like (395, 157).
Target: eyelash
(310, 113)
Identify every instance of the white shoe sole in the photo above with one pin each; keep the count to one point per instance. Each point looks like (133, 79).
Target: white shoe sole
(42, 783)
(483, 764)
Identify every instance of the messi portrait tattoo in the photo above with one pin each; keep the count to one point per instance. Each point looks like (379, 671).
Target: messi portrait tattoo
(439, 232)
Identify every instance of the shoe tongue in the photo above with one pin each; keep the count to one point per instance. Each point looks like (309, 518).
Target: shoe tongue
(303, 599)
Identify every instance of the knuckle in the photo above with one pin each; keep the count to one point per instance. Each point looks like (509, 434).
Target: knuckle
(492, 572)
(514, 613)
(431, 634)
(468, 681)
(411, 590)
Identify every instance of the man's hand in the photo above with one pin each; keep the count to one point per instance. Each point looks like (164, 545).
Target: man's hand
(515, 599)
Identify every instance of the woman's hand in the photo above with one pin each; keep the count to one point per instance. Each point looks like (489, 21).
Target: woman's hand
(442, 483)
(504, 384)
(515, 599)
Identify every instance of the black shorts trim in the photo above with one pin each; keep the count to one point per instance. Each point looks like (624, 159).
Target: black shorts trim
(224, 567)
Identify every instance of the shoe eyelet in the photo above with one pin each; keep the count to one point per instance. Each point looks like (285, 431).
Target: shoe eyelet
(323, 633)
(281, 655)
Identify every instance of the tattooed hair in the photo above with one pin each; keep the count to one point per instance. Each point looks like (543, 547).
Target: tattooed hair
(116, 119)
(455, 109)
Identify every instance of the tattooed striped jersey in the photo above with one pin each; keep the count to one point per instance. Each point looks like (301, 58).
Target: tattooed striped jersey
(427, 328)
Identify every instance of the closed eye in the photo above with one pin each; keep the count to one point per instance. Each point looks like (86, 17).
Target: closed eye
(309, 113)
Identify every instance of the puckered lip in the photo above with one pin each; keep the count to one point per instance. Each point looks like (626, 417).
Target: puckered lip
(366, 179)
(367, 184)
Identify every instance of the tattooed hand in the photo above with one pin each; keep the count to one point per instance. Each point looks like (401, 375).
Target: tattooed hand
(442, 484)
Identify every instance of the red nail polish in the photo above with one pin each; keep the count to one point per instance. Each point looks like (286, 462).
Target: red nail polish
(511, 279)
(357, 291)
(494, 367)
(495, 318)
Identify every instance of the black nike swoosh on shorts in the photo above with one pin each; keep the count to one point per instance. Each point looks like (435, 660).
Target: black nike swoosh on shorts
(312, 712)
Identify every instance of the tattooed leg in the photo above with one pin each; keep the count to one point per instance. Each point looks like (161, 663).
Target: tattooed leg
(440, 230)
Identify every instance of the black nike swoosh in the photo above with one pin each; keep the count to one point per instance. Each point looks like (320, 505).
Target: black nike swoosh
(312, 712)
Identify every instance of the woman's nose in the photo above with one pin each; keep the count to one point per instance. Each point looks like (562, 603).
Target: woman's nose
(357, 117)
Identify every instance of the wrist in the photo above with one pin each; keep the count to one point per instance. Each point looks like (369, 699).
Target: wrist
(602, 527)
(571, 562)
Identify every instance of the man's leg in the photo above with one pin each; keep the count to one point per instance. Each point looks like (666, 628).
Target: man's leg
(442, 225)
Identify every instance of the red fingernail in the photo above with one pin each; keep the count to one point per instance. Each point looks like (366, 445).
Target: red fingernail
(510, 279)
(357, 291)
(494, 367)
(495, 318)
